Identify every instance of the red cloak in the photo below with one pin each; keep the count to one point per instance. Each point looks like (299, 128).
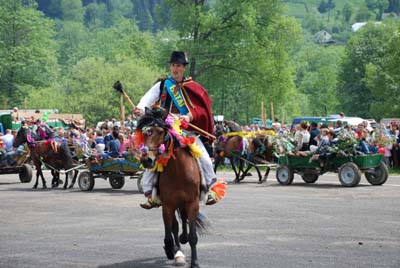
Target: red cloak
(199, 104)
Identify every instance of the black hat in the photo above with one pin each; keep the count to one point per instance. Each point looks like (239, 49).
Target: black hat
(179, 57)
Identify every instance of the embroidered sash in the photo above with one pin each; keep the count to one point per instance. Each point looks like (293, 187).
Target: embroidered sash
(176, 96)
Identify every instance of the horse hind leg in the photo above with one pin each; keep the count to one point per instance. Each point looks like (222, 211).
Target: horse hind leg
(73, 179)
(66, 181)
(37, 180)
(183, 238)
(193, 211)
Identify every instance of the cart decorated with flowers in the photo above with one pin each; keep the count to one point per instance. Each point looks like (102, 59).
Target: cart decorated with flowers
(113, 169)
(349, 169)
(343, 158)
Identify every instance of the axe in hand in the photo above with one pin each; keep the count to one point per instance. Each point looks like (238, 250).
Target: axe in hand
(118, 87)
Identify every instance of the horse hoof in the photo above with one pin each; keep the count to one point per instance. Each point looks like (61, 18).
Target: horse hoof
(34, 187)
(236, 181)
(194, 265)
(71, 186)
(65, 188)
(179, 259)
(44, 187)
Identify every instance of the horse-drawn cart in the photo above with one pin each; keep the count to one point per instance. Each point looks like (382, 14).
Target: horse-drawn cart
(349, 169)
(20, 165)
(115, 169)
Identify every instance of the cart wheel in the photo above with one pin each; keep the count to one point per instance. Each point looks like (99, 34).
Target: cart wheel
(116, 182)
(139, 183)
(25, 175)
(284, 175)
(86, 181)
(349, 174)
(310, 177)
(379, 175)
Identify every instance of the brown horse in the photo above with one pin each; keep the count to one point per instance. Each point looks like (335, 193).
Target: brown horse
(178, 184)
(254, 152)
(56, 156)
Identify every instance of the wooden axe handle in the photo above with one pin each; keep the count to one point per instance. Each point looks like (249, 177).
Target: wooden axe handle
(199, 130)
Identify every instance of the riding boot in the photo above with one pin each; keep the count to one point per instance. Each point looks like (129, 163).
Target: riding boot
(211, 197)
(150, 203)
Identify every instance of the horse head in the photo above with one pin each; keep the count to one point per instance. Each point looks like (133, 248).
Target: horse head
(154, 130)
(22, 137)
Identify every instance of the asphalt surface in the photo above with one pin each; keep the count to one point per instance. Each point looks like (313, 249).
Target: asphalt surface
(267, 225)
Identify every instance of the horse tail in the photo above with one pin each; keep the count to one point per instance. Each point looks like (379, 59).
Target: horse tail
(65, 154)
(203, 224)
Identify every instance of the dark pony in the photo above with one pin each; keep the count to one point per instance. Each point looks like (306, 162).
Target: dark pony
(56, 156)
(229, 147)
(178, 184)
(257, 154)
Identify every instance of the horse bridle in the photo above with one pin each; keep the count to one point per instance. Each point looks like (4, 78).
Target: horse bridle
(161, 148)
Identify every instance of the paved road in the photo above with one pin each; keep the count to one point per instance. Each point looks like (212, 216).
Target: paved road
(268, 225)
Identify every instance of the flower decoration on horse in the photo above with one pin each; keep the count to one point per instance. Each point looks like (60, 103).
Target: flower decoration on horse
(165, 141)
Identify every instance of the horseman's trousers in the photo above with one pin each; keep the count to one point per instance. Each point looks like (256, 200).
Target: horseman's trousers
(206, 166)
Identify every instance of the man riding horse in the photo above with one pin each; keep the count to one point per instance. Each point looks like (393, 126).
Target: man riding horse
(188, 100)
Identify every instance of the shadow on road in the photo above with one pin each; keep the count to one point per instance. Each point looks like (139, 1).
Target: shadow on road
(7, 183)
(73, 191)
(141, 263)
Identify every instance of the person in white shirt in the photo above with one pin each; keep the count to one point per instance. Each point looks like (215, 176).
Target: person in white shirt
(8, 140)
(302, 137)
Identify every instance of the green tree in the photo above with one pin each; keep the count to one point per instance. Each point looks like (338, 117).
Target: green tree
(347, 12)
(248, 40)
(317, 78)
(363, 13)
(377, 6)
(365, 47)
(383, 77)
(87, 88)
(27, 50)
(72, 10)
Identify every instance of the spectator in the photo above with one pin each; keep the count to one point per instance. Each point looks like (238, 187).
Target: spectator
(314, 132)
(8, 140)
(302, 137)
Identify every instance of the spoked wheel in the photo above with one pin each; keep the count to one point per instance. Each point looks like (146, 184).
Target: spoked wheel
(25, 175)
(86, 181)
(378, 175)
(310, 177)
(349, 174)
(117, 182)
(284, 175)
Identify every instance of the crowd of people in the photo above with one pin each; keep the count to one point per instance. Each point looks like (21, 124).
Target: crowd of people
(367, 138)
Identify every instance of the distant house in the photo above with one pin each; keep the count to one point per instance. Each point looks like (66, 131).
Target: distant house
(323, 37)
(358, 25)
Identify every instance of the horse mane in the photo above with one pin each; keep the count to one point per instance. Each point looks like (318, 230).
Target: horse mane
(233, 126)
(153, 117)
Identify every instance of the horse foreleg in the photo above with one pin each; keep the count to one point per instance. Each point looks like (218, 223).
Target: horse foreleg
(40, 173)
(168, 217)
(237, 174)
(249, 166)
(73, 179)
(217, 161)
(193, 211)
